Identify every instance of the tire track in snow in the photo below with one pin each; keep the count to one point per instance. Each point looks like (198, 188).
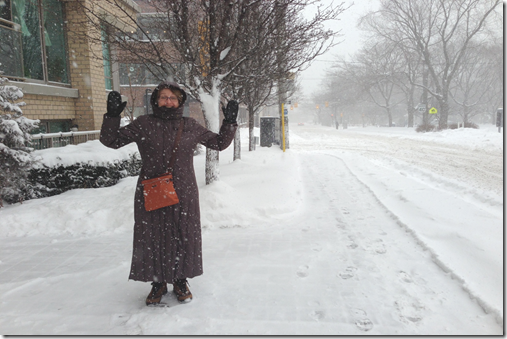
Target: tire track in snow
(487, 308)
(379, 258)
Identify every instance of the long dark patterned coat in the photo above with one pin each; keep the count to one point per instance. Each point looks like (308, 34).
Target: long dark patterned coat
(167, 241)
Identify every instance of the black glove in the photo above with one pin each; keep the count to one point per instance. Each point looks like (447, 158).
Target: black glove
(114, 104)
(231, 112)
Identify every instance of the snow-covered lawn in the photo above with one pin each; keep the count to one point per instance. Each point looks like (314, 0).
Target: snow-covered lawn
(360, 231)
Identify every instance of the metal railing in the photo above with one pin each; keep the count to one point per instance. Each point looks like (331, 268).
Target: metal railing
(49, 140)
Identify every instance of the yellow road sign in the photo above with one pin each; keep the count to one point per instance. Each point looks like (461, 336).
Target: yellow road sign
(433, 110)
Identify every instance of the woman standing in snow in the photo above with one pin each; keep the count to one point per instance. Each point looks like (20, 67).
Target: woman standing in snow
(167, 241)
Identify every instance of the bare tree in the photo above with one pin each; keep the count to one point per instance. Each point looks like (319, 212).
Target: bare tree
(440, 30)
(380, 66)
(205, 36)
(344, 94)
(412, 74)
(253, 82)
(494, 66)
(477, 78)
(292, 45)
(376, 69)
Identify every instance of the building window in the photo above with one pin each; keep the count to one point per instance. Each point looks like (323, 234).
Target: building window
(106, 57)
(52, 126)
(5, 10)
(26, 15)
(54, 41)
(11, 55)
(30, 48)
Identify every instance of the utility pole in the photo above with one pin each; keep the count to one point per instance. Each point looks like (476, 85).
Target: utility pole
(282, 77)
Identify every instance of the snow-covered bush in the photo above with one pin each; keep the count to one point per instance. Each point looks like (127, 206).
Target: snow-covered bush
(15, 159)
(48, 181)
(425, 127)
(465, 125)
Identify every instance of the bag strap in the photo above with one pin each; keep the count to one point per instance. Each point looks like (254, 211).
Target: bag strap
(175, 147)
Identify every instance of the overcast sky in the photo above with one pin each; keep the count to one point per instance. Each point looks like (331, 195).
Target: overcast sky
(352, 40)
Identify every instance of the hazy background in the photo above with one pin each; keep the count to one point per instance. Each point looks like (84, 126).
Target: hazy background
(351, 41)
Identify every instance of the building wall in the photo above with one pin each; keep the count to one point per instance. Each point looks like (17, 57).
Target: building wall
(84, 70)
(46, 107)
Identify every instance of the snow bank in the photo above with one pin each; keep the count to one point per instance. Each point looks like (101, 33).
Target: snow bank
(258, 189)
(92, 152)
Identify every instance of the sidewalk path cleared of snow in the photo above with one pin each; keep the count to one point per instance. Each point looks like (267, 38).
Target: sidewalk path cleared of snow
(335, 236)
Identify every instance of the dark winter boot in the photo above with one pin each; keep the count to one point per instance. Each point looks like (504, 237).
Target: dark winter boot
(180, 288)
(157, 291)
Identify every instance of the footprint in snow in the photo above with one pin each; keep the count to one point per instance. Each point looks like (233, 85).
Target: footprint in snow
(317, 248)
(405, 277)
(302, 271)
(348, 273)
(409, 311)
(378, 247)
(352, 243)
(364, 324)
(317, 315)
(340, 224)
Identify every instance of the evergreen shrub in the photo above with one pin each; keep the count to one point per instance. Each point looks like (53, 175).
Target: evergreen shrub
(48, 181)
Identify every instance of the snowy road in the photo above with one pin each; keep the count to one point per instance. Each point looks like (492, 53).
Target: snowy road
(349, 232)
(370, 267)
(474, 169)
(447, 197)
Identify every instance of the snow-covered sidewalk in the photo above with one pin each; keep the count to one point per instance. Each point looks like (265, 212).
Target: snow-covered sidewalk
(306, 242)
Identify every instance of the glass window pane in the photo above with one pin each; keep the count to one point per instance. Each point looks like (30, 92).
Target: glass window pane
(26, 14)
(41, 129)
(54, 39)
(59, 126)
(131, 74)
(106, 56)
(11, 60)
(5, 10)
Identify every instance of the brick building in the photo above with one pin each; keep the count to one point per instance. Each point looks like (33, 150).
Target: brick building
(51, 50)
(44, 52)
